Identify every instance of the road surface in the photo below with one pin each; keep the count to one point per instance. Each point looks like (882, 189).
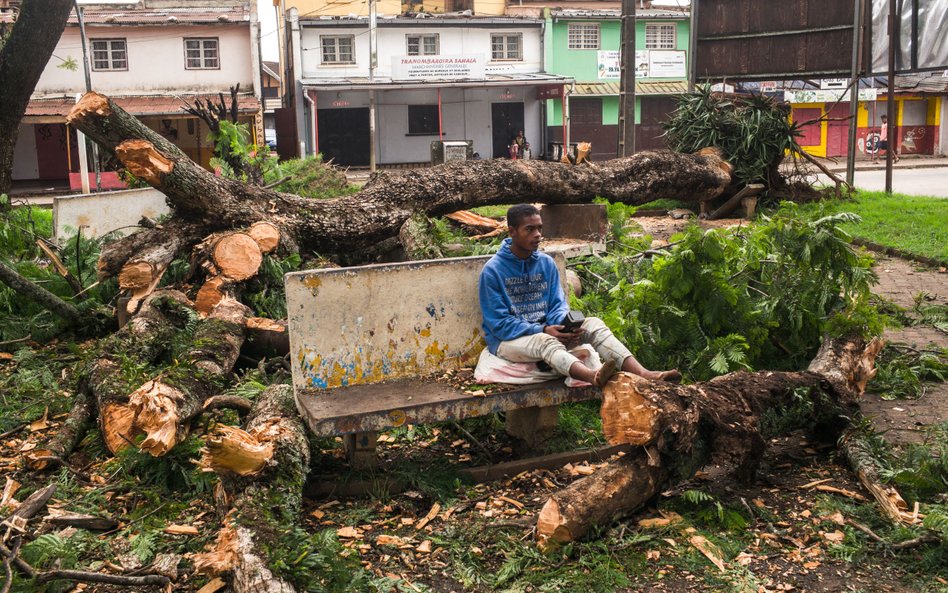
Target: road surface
(918, 182)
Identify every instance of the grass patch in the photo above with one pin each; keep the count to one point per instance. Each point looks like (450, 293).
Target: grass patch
(915, 224)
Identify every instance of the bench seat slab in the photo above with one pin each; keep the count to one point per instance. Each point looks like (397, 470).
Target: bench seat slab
(380, 406)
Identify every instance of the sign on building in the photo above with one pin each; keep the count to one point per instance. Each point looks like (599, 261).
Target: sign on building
(667, 64)
(828, 84)
(826, 96)
(608, 64)
(438, 67)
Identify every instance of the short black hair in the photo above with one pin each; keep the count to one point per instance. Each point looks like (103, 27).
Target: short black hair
(516, 214)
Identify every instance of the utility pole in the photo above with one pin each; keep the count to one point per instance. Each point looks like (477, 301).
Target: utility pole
(890, 95)
(373, 63)
(627, 81)
(81, 140)
(854, 97)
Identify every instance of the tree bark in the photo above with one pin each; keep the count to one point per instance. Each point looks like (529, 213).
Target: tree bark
(274, 426)
(43, 297)
(22, 60)
(72, 431)
(679, 428)
(355, 222)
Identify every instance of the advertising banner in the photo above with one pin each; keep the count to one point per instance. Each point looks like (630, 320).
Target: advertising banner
(438, 67)
(608, 64)
(667, 64)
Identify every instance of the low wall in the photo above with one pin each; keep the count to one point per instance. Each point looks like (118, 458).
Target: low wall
(101, 213)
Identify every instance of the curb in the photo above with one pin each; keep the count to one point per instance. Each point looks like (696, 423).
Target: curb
(881, 167)
(875, 247)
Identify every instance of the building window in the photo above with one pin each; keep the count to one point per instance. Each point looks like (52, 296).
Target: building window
(506, 46)
(201, 54)
(109, 54)
(583, 36)
(660, 36)
(422, 45)
(422, 120)
(337, 49)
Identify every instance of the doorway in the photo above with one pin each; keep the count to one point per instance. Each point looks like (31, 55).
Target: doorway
(506, 119)
(344, 136)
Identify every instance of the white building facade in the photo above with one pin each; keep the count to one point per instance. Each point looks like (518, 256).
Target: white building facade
(151, 57)
(448, 77)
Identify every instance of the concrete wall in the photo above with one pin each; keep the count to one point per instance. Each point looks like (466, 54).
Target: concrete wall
(102, 213)
(453, 41)
(942, 147)
(370, 324)
(155, 61)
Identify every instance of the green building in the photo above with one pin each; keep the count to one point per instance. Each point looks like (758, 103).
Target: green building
(584, 45)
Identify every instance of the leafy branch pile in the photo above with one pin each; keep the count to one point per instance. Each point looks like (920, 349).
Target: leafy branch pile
(730, 299)
(754, 132)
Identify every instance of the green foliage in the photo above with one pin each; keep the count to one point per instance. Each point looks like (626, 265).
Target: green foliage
(707, 510)
(237, 158)
(724, 300)
(753, 131)
(265, 293)
(914, 224)
(901, 372)
(920, 471)
(169, 473)
(316, 562)
(310, 177)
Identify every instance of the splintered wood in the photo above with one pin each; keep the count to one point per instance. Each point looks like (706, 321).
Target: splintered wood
(230, 449)
(627, 416)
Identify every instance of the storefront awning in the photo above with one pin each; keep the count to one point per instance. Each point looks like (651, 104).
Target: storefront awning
(602, 89)
(55, 110)
(385, 84)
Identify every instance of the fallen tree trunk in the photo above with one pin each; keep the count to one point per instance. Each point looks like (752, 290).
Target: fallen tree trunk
(353, 223)
(269, 459)
(679, 428)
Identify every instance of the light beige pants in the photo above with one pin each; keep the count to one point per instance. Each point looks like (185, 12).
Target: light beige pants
(548, 349)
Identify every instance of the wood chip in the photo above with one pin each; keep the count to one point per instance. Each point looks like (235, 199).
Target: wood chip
(709, 550)
(9, 489)
(317, 514)
(834, 537)
(181, 530)
(213, 586)
(585, 470)
(815, 483)
(348, 533)
(390, 540)
(435, 509)
(42, 423)
(424, 547)
(841, 491)
(519, 505)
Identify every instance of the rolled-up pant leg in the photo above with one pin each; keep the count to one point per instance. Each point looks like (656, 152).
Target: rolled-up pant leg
(607, 345)
(538, 347)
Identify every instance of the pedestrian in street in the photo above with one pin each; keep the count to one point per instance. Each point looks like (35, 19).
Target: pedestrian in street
(883, 143)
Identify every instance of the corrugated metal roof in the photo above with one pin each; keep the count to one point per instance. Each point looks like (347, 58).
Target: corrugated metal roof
(673, 87)
(927, 82)
(610, 13)
(204, 15)
(137, 105)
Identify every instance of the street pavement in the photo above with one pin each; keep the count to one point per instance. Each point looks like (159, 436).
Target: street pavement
(912, 176)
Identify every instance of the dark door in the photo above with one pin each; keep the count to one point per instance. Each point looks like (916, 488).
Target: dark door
(809, 133)
(837, 133)
(506, 119)
(344, 136)
(52, 159)
(288, 146)
(585, 123)
(649, 134)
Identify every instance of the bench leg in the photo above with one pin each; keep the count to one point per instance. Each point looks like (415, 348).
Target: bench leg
(360, 449)
(534, 426)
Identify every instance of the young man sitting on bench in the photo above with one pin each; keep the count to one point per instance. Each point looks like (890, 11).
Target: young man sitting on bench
(524, 308)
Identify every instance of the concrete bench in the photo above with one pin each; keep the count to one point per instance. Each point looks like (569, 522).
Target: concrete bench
(367, 343)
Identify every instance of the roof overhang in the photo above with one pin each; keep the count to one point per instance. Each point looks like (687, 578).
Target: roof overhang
(642, 88)
(55, 109)
(387, 84)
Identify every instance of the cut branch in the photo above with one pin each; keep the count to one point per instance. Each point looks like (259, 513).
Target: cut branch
(679, 428)
(43, 297)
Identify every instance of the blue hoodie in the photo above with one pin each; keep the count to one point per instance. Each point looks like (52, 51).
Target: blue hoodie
(519, 296)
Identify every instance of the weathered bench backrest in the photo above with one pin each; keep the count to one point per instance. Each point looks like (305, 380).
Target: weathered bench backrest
(369, 324)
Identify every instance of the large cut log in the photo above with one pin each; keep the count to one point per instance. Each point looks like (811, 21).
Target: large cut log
(267, 460)
(679, 428)
(376, 213)
(163, 408)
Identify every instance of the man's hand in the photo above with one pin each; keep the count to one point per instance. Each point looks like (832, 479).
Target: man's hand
(565, 337)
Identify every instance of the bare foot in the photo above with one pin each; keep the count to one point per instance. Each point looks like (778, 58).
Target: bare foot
(605, 372)
(672, 376)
